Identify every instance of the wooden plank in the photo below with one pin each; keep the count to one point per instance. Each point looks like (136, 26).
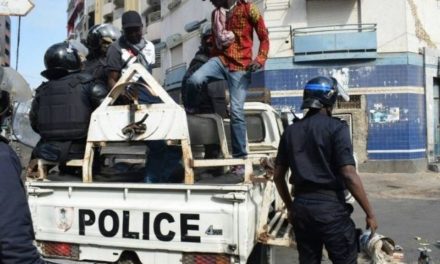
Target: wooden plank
(217, 162)
(75, 163)
(87, 163)
(187, 158)
(42, 172)
(248, 170)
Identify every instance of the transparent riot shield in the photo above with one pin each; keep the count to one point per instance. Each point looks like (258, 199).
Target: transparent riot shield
(13, 83)
(21, 126)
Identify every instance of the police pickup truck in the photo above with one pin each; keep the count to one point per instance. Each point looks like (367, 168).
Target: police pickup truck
(198, 221)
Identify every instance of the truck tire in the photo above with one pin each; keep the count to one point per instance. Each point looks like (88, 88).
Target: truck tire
(128, 258)
(261, 254)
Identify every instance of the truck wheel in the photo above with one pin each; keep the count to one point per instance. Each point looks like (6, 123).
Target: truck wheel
(261, 254)
(127, 261)
(129, 258)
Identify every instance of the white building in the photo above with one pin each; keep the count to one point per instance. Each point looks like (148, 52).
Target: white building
(5, 40)
(388, 50)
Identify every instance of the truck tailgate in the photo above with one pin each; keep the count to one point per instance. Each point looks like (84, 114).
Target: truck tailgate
(172, 217)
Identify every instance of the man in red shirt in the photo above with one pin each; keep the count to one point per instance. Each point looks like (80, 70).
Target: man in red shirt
(234, 22)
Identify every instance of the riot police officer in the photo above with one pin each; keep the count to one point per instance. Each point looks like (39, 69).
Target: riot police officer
(16, 231)
(61, 109)
(319, 153)
(99, 38)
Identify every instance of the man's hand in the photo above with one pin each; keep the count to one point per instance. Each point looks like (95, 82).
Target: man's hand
(371, 224)
(253, 66)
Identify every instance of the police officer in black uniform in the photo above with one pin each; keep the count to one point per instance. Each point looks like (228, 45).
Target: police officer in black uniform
(99, 38)
(16, 231)
(319, 153)
(61, 109)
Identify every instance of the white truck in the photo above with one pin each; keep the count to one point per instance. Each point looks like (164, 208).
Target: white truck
(202, 220)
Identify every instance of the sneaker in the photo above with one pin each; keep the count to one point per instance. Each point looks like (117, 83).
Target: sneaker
(238, 170)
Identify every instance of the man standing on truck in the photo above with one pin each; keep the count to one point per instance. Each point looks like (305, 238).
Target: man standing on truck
(16, 231)
(212, 95)
(163, 161)
(62, 107)
(319, 153)
(234, 22)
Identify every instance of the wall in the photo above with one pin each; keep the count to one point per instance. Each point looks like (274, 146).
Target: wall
(423, 24)
(391, 23)
(431, 71)
(337, 12)
(5, 47)
(390, 125)
(174, 21)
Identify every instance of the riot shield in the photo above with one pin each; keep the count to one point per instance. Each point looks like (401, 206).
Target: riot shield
(21, 126)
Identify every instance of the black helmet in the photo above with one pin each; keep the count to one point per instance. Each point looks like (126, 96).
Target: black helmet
(101, 32)
(320, 92)
(61, 59)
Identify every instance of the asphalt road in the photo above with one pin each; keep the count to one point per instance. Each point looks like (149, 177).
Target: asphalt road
(406, 206)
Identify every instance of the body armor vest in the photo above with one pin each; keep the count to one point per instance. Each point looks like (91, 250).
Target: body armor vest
(65, 110)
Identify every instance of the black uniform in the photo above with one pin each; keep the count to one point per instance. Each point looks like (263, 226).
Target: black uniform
(95, 66)
(16, 231)
(314, 148)
(61, 112)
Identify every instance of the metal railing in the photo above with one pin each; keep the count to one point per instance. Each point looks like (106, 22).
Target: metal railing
(334, 29)
(174, 75)
(276, 4)
(154, 16)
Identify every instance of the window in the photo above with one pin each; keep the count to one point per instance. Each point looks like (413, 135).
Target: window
(7, 39)
(7, 52)
(158, 51)
(255, 128)
(91, 20)
(354, 103)
(108, 18)
(8, 25)
(177, 55)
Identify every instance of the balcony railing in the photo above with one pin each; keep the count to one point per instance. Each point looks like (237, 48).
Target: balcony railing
(338, 42)
(154, 16)
(174, 76)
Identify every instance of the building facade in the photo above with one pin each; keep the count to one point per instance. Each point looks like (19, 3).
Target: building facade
(5, 41)
(386, 51)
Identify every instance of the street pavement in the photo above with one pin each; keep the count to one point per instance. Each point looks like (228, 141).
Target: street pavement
(406, 206)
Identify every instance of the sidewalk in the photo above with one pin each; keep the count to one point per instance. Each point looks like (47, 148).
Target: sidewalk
(424, 185)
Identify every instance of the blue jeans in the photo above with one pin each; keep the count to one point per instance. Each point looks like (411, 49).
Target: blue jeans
(238, 83)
